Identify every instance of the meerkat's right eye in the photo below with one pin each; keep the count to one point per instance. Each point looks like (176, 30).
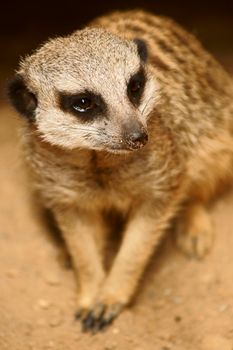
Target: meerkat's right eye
(86, 106)
(83, 104)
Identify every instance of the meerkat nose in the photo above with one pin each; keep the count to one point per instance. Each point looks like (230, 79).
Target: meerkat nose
(137, 139)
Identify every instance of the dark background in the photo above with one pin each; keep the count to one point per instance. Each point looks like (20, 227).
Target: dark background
(25, 24)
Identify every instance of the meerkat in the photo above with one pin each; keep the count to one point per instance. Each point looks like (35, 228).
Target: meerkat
(129, 114)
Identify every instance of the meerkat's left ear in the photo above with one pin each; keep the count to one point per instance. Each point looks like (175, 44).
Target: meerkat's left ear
(142, 49)
(24, 101)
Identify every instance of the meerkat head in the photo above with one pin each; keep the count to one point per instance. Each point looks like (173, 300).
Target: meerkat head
(91, 89)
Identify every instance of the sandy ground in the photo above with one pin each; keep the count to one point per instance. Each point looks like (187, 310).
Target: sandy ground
(181, 304)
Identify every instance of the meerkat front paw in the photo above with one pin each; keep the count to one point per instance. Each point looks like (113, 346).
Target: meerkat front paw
(86, 300)
(194, 232)
(101, 315)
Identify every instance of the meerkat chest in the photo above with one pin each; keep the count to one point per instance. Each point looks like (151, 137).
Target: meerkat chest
(91, 190)
(93, 187)
(110, 184)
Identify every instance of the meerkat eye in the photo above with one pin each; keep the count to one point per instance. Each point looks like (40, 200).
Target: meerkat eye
(136, 86)
(83, 104)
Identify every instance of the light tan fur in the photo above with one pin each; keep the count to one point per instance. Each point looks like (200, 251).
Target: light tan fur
(187, 110)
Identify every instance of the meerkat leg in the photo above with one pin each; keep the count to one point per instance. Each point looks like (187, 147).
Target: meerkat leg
(140, 238)
(79, 230)
(194, 231)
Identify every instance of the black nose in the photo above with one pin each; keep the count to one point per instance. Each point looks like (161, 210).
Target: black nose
(137, 139)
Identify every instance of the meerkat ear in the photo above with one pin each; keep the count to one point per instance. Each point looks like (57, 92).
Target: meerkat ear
(142, 49)
(24, 101)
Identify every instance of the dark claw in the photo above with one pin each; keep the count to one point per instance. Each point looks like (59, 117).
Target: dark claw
(92, 318)
(103, 323)
(88, 322)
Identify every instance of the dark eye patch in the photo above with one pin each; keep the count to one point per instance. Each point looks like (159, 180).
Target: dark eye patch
(136, 86)
(86, 105)
(142, 49)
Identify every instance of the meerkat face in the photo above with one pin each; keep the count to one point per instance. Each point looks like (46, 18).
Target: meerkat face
(90, 90)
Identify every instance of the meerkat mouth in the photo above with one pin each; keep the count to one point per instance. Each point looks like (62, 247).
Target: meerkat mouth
(123, 150)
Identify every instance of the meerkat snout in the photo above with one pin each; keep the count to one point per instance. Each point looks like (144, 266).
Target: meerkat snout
(135, 136)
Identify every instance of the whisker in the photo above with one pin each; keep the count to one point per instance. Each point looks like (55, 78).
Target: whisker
(148, 101)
